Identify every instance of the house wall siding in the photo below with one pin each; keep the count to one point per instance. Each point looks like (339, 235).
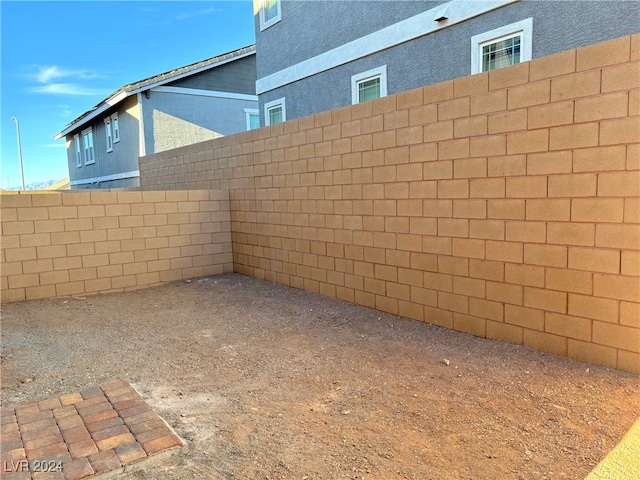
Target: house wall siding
(57, 244)
(433, 58)
(173, 120)
(503, 204)
(238, 76)
(123, 158)
(165, 120)
(131, 181)
(318, 26)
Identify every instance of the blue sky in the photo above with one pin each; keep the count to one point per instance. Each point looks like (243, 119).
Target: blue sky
(59, 59)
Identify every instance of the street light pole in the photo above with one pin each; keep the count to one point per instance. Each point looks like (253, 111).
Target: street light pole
(19, 151)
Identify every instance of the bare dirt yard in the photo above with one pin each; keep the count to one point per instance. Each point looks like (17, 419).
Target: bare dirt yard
(268, 382)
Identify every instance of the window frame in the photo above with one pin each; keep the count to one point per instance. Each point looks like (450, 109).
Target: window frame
(270, 106)
(88, 159)
(523, 29)
(108, 130)
(264, 23)
(248, 112)
(77, 150)
(356, 80)
(115, 127)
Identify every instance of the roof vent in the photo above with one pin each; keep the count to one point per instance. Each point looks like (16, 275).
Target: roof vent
(441, 15)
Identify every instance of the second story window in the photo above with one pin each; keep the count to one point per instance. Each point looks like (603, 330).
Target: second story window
(115, 126)
(274, 112)
(87, 145)
(108, 133)
(270, 13)
(78, 150)
(369, 85)
(368, 89)
(275, 115)
(501, 54)
(253, 118)
(502, 47)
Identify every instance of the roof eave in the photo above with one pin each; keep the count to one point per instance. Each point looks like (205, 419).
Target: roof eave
(123, 93)
(188, 73)
(113, 100)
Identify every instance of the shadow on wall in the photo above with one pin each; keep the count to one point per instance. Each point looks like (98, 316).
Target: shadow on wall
(171, 132)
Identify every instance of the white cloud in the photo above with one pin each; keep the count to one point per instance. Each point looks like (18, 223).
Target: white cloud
(68, 89)
(51, 79)
(46, 74)
(49, 73)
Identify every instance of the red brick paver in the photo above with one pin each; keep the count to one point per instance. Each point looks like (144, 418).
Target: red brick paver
(78, 435)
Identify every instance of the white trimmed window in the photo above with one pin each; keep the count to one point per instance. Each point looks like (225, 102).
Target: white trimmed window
(87, 145)
(275, 112)
(78, 150)
(369, 85)
(108, 133)
(270, 13)
(115, 126)
(253, 118)
(502, 47)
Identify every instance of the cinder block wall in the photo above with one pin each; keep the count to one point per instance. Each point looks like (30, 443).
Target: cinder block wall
(504, 204)
(57, 244)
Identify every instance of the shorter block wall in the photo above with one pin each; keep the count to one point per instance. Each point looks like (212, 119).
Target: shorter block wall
(503, 204)
(58, 244)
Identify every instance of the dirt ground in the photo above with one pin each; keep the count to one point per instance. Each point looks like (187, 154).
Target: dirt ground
(268, 382)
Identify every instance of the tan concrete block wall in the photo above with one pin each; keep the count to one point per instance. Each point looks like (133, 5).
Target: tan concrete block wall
(504, 204)
(58, 244)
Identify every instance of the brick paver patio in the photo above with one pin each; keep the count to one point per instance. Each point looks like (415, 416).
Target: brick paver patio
(102, 430)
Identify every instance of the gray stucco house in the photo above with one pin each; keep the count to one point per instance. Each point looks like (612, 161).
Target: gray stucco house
(314, 56)
(198, 102)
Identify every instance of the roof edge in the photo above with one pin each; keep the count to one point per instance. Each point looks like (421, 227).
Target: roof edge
(103, 106)
(146, 84)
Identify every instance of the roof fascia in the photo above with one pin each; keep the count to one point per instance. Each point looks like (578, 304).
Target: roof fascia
(191, 72)
(104, 106)
(122, 93)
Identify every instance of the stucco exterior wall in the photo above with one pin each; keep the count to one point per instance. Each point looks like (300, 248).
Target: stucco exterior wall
(158, 119)
(315, 27)
(238, 76)
(173, 120)
(123, 158)
(503, 204)
(132, 181)
(309, 28)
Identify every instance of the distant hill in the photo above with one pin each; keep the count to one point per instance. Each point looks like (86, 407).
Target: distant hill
(64, 184)
(35, 185)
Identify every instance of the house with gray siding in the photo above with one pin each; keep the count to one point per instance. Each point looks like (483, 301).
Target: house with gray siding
(314, 56)
(191, 104)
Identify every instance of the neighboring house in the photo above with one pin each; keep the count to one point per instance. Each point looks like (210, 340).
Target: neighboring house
(198, 102)
(315, 56)
(64, 184)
